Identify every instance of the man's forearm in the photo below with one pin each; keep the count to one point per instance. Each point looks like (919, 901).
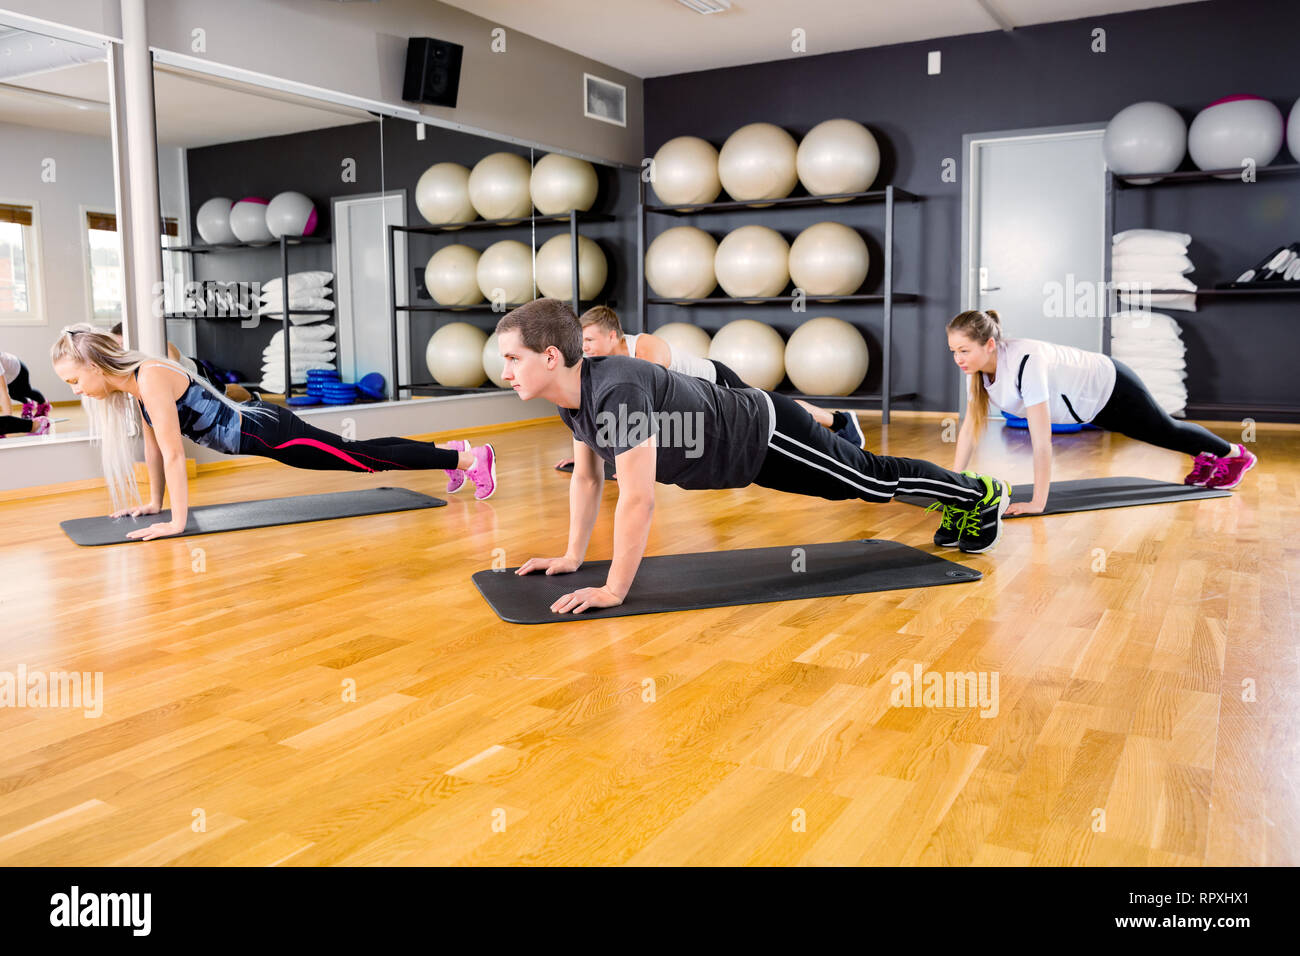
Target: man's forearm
(632, 519)
(584, 505)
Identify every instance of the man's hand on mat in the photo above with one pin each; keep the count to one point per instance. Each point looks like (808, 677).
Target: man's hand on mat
(1025, 508)
(160, 530)
(565, 565)
(584, 598)
(150, 509)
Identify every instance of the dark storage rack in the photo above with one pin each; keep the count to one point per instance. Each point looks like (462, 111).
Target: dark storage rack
(571, 219)
(283, 243)
(1116, 183)
(889, 196)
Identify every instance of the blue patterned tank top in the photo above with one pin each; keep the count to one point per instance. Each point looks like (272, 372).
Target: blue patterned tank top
(205, 420)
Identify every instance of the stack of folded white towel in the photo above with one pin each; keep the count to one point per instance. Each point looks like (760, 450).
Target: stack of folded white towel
(1153, 259)
(309, 347)
(1151, 344)
(307, 290)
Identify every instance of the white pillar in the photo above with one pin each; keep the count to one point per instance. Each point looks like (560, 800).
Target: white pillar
(144, 230)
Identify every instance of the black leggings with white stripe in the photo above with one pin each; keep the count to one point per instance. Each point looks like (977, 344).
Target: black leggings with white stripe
(805, 459)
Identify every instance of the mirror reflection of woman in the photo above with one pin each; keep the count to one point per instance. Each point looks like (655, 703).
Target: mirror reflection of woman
(16, 385)
(119, 383)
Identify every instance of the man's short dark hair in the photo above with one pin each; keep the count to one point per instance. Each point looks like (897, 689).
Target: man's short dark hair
(117, 329)
(543, 323)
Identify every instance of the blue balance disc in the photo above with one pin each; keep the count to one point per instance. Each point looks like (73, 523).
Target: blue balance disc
(299, 400)
(1063, 429)
(372, 385)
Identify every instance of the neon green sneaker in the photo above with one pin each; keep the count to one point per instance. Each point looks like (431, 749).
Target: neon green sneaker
(949, 533)
(981, 526)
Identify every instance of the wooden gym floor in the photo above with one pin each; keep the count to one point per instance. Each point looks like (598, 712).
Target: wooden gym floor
(1148, 676)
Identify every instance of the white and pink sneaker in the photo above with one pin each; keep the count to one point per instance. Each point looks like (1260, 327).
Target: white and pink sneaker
(456, 476)
(484, 472)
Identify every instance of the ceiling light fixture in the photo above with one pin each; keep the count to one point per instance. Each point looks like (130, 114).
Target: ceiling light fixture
(707, 6)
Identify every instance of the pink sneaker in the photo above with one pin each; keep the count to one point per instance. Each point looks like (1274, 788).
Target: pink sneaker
(1202, 469)
(456, 476)
(33, 410)
(40, 425)
(1228, 472)
(484, 472)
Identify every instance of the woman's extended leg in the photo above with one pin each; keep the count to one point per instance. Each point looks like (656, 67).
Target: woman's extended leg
(288, 439)
(1132, 410)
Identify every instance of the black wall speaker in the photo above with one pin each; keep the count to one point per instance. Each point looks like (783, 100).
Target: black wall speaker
(432, 71)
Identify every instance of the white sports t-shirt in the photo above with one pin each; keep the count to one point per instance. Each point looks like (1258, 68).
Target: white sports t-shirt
(683, 364)
(1076, 384)
(9, 367)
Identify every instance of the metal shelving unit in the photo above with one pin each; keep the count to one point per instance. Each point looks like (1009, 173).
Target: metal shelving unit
(283, 244)
(888, 197)
(1115, 184)
(572, 220)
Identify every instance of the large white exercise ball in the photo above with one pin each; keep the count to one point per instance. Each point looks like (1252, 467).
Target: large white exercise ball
(451, 276)
(758, 162)
(1232, 130)
(494, 365)
(248, 220)
(752, 262)
(213, 220)
(679, 263)
(505, 272)
(442, 194)
(1145, 137)
(685, 339)
(290, 214)
(1293, 131)
(498, 187)
(560, 184)
(827, 356)
(752, 350)
(455, 355)
(829, 258)
(555, 268)
(685, 170)
(838, 156)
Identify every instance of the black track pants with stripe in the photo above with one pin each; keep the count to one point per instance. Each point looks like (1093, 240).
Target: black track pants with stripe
(805, 459)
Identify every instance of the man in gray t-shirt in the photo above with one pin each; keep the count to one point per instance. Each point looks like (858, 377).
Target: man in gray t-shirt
(625, 401)
(660, 426)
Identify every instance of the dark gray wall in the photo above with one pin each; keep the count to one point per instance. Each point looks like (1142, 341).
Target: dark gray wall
(311, 163)
(1239, 352)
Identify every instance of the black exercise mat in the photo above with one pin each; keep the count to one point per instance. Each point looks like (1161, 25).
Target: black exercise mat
(567, 466)
(685, 582)
(240, 515)
(1095, 494)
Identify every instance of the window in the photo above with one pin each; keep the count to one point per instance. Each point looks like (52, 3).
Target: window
(19, 288)
(104, 255)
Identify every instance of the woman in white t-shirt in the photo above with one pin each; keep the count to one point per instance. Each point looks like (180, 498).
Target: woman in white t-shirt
(1048, 384)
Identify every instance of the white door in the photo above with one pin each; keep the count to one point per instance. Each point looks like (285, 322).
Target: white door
(1036, 240)
(365, 331)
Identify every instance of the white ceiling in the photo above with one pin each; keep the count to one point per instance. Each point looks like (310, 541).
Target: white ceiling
(203, 111)
(658, 37)
(191, 111)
